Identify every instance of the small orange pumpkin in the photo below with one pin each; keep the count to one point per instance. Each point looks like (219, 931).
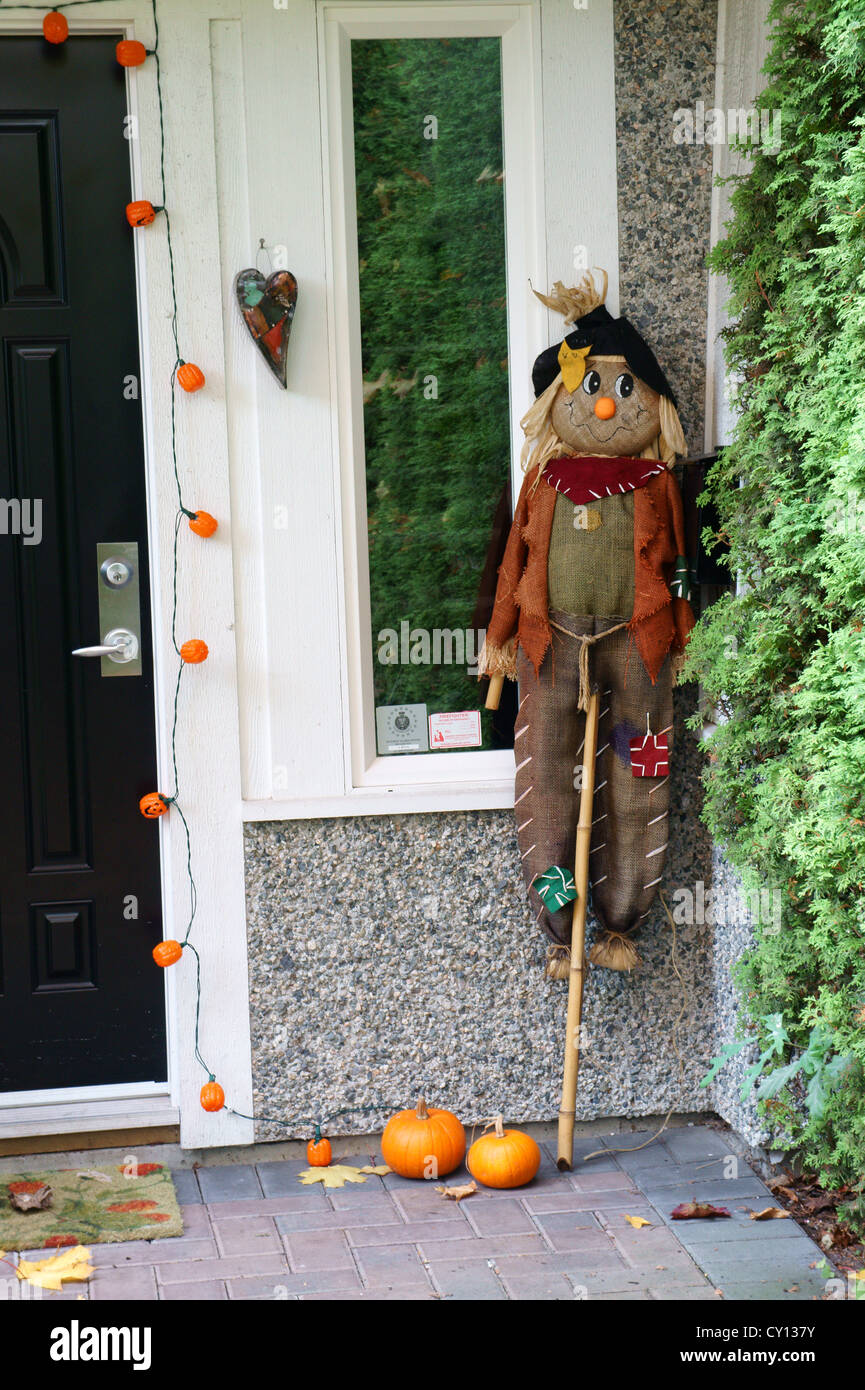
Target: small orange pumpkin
(423, 1143)
(167, 952)
(55, 27)
(130, 53)
(190, 377)
(505, 1158)
(194, 651)
(318, 1150)
(140, 213)
(212, 1095)
(152, 805)
(203, 524)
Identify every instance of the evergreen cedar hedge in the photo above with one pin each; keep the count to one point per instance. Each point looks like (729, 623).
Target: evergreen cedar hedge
(785, 781)
(430, 216)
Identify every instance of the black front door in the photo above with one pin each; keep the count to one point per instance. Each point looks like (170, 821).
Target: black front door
(81, 1001)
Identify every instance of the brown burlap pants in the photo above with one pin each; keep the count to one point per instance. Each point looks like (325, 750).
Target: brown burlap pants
(630, 825)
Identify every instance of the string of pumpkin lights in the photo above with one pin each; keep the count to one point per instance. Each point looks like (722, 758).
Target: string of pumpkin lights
(141, 213)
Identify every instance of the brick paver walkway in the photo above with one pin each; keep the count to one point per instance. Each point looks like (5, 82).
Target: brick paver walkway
(251, 1231)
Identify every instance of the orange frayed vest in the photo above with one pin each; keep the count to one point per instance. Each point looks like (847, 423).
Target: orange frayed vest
(659, 622)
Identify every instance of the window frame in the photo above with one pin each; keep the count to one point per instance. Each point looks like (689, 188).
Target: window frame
(473, 779)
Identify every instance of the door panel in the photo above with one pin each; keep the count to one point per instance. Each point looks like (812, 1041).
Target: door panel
(82, 1003)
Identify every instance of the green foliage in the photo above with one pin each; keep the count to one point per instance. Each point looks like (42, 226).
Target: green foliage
(785, 783)
(432, 288)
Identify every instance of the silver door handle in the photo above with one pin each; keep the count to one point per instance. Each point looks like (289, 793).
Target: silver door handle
(120, 645)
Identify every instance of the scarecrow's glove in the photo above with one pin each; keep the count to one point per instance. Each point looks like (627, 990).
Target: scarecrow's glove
(499, 661)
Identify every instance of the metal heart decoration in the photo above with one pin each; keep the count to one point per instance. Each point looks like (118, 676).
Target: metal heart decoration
(268, 308)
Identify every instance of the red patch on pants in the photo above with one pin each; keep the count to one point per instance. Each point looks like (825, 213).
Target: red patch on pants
(650, 756)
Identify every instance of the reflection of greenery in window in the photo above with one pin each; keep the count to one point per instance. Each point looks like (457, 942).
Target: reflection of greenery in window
(433, 320)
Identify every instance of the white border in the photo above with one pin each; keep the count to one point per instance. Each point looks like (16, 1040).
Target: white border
(474, 779)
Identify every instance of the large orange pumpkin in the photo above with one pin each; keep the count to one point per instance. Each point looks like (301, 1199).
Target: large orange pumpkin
(423, 1143)
(505, 1158)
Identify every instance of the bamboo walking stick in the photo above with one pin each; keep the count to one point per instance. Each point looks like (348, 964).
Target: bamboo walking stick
(494, 692)
(567, 1109)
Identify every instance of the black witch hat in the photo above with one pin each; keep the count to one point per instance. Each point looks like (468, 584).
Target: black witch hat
(604, 336)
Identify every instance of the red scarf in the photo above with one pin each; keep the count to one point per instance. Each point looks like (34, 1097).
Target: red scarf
(589, 478)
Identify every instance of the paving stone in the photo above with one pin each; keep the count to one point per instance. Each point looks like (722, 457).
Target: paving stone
(588, 1144)
(312, 1199)
(567, 1200)
(318, 1250)
(738, 1227)
(693, 1179)
(539, 1285)
(357, 1194)
(409, 1294)
(227, 1267)
(280, 1179)
(391, 1266)
(587, 1181)
(186, 1186)
(247, 1235)
(597, 1275)
(735, 1192)
(498, 1218)
(640, 1296)
(202, 1291)
(228, 1182)
(771, 1290)
(291, 1286)
(562, 1231)
(705, 1293)
(777, 1259)
(429, 1206)
(482, 1247)
(148, 1252)
(376, 1213)
(695, 1143)
(467, 1280)
(410, 1233)
(134, 1284)
(196, 1222)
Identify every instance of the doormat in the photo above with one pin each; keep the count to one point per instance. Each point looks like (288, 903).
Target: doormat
(89, 1206)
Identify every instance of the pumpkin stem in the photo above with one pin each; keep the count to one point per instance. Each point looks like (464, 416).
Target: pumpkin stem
(422, 1112)
(500, 1133)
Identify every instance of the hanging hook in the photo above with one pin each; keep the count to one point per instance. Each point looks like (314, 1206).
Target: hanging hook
(262, 246)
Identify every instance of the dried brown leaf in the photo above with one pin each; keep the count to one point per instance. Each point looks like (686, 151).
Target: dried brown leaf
(458, 1191)
(770, 1214)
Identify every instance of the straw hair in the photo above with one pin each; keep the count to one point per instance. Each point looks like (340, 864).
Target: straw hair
(575, 301)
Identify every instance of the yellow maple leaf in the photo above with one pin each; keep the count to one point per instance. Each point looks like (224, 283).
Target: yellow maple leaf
(637, 1221)
(72, 1265)
(334, 1175)
(380, 1170)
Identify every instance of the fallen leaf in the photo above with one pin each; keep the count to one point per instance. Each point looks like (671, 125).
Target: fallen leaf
(458, 1191)
(72, 1266)
(770, 1214)
(334, 1175)
(697, 1211)
(637, 1221)
(39, 1200)
(95, 1174)
(380, 1170)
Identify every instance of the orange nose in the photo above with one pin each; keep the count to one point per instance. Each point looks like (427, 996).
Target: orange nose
(605, 408)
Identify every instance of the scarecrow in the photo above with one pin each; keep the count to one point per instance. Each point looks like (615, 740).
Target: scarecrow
(593, 598)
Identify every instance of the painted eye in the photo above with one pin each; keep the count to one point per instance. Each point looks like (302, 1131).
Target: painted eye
(624, 384)
(591, 383)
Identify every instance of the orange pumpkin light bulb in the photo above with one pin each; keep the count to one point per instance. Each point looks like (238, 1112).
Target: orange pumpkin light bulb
(190, 377)
(505, 1158)
(55, 28)
(153, 805)
(318, 1150)
(212, 1095)
(203, 524)
(140, 213)
(194, 651)
(423, 1143)
(130, 53)
(167, 952)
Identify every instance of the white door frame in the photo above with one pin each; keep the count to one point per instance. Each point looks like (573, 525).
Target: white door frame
(208, 740)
